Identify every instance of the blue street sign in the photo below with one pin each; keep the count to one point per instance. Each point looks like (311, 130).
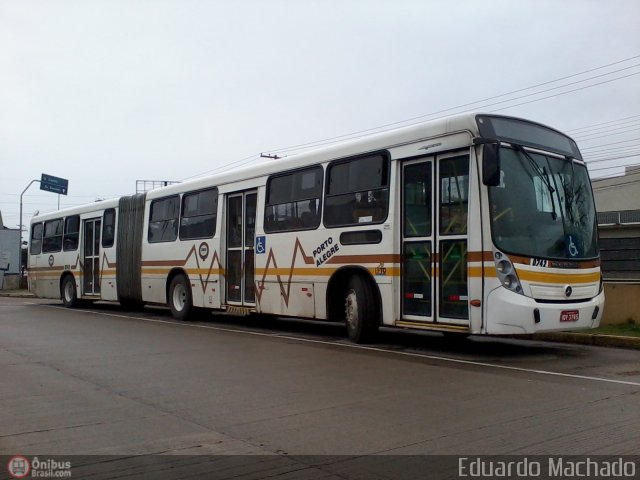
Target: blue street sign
(53, 184)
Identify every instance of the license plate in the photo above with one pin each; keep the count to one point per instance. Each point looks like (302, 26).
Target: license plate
(569, 316)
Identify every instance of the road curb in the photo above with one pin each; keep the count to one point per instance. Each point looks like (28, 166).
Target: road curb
(17, 295)
(590, 339)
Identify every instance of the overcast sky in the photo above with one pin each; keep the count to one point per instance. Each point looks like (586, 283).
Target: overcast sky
(104, 93)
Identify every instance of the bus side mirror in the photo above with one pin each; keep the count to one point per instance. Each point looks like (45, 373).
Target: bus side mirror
(491, 164)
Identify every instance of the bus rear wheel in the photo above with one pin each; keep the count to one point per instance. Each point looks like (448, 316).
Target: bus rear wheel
(180, 300)
(360, 310)
(68, 292)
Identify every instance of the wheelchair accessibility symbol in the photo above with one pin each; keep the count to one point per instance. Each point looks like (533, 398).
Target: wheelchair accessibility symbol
(261, 244)
(572, 248)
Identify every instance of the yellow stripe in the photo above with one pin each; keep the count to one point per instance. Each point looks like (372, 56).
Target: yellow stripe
(432, 326)
(476, 272)
(319, 272)
(190, 271)
(204, 271)
(546, 277)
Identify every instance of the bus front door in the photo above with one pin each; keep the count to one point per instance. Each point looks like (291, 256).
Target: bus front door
(91, 249)
(434, 241)
(240, 266)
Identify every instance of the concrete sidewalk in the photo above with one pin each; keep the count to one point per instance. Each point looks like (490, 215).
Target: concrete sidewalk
(566, 337)
(23, 293)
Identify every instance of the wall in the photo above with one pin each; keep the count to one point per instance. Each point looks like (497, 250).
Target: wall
(617, 193)
(9, 249)
(622, 303)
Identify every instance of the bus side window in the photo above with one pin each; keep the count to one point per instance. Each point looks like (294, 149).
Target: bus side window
(163, 219)
(109, 228)
(293, 200)
(35, 246)
(199, 214)
(357, 191)
(52, 241)
(71, 233)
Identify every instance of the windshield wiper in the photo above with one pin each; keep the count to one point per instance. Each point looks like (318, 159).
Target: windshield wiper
(544, 177)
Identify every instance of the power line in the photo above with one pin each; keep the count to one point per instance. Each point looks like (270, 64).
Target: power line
(335, 139)
(604, 123)
(609, 154)
(586, 139)
(608, 159)
(612, 149)
(611, 158)
(568, 91)
(331, 140)
(612, 143)
(614, 166)
(601, 130)
(604, 187)
(223, 167)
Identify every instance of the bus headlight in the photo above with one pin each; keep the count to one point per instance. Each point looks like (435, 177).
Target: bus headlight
(504, 267)
(506, 273)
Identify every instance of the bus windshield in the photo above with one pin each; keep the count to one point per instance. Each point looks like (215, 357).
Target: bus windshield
(543, 207)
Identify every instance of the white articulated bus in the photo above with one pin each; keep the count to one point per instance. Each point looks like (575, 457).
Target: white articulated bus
(477, 224)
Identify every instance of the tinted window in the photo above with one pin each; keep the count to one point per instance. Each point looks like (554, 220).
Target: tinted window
(417, 200)
(36, 239)
(454, 193)
(71, 233)
(163, 220)
(357, 191)
(52, 241)
(109, 228)
(293, 201)
(198, 218)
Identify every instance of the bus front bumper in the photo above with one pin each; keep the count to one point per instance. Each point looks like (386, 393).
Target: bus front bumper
(509, 313)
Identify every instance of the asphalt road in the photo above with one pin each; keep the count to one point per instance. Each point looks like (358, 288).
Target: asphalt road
(110, 382)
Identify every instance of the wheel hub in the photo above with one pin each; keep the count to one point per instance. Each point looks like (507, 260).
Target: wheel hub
(351, 310)
(179, 297)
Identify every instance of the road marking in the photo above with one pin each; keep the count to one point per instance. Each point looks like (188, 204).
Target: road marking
(355, 346)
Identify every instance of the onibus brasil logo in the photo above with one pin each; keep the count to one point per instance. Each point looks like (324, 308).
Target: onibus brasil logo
(20, 467)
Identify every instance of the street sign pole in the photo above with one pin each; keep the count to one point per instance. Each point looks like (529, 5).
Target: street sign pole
(20, 235)
(48, 183)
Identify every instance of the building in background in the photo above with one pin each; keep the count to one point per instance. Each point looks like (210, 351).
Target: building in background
(618, 205)
(9, 240)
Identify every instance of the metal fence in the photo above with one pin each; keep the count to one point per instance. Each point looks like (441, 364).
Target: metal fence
(620, 217)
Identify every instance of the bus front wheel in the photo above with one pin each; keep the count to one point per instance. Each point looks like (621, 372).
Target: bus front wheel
(180, 300)
(360, 310)
(68, 292)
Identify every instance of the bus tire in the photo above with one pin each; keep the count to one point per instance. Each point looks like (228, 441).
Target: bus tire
(68, 292)
(180, 300)
(360, 310)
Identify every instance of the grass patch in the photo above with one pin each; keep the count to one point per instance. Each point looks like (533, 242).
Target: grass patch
(624, 330)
